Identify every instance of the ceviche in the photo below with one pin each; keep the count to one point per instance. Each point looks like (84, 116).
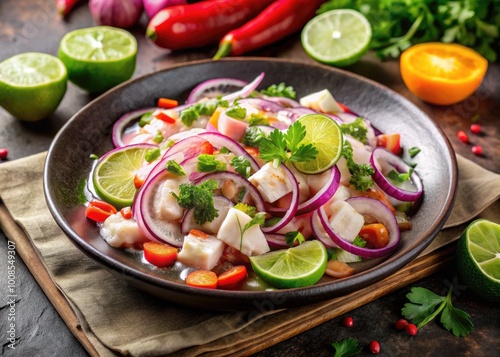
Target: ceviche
(239, 180)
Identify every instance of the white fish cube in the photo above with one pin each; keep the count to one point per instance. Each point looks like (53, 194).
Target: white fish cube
(271, 182)
(344, 220)
(201, 252)
(252, 242)
(166, 206)
(321, 101)
(120, 232)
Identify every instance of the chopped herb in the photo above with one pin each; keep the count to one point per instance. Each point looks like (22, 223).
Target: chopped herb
(174, 168)
(280, 147)
(475, 118)
(257, 119)
(424, 306)
(93, 156)
(253, 136)
(152, 154)
(413, 151)
(347, 347)
(412, 164)
(359, 242)
(360, 173)
(271, 221)
(190, 114)
(201, 198)
(224, 150)
(292, 237)
(158, 138)
(247, 209)
(208, 163)
(399, 177)
(241, 165)
(280, 90)
(241, 194)
(145, 119)
(237, 112)
(258, 218)
(357, 129)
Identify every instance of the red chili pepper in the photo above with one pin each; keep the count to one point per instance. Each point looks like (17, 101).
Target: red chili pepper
(3, 153)
(99, 210)
(463, 136)
(278, 20)
(167, 103)
(65, 6)
(200, 24)
(164, 117)
(126, 212)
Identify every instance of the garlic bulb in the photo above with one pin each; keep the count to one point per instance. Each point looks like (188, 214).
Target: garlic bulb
(118, 13)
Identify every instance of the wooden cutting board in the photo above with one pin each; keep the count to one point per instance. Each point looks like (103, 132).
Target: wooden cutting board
(245, 345)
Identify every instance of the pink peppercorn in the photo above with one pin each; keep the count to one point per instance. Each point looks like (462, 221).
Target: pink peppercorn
(463, 137)
(477, 150)
(475, 128)
(411, 329)
(401, 324)
(348, 322)
(374, 347)
(3, 153)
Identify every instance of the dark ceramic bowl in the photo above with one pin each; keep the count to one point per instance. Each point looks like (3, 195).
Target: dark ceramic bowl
(89, 132)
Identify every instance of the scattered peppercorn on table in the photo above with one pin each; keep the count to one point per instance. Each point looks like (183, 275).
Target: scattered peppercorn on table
(472, 126)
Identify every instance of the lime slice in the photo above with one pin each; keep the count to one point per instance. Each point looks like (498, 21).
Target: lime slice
(478, 258)
(113, 175)
(98, 58)
(325, 134)
(32, 85)
(295, 267)
(337, 37)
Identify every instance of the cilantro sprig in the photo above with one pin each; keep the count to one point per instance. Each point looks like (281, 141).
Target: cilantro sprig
(357, 129)
(190, 114)
(201, 198)
(281, 147)
(294, 236)
(360, 173)
(425, 305)
(209, 163)
(280, 90)
(346, 348)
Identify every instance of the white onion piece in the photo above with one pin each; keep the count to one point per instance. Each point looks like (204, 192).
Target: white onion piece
(400, 194)
(374, 208)
(239, 181)
(286, 102)
(221, 203)
(262, 104)
(246, 90)
(214, 88)
(319, 231)
(219, 141)
(323, 195)
(156, 229)
(125, 121)
(290, 213)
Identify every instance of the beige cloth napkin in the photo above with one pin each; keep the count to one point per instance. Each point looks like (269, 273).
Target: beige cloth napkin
(119, 318)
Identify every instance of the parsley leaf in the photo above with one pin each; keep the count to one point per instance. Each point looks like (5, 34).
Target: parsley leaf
(425, 305)
(253, 136)
(347, 347)
(357, 129)
(241, 165)
(237, 112)
(201, 198)
(208, 163)
(413, 151)
(280, 147)
(280, 90)
(294, 236)
(190, 114)
(257, 119)
(400, 177)
(360, 173)
(359, 242)
(174, 168)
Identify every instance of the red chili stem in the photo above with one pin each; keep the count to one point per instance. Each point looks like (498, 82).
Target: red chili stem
(202, 23)
(278, 20)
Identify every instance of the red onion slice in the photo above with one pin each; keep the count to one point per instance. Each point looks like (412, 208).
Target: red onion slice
(239, 181)
(319, 231)
(276, 240)
(219, 141)
(156, 229)
(323, 195)
(214, 88)
(124, 122)
(400, 194)
(374, 208)
(246, 90)
(262, 104)
(287, 217)
(285, 102)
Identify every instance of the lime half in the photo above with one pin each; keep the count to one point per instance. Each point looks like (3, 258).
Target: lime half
(98, 58)
(114, 174)
(32, 85)
(325, 134)
(337, 37)
(295, 267)
(478, 258)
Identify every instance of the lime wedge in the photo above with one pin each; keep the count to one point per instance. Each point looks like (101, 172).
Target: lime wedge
(478, 258)
(98, 58)
(325, 134)
(32, 85)
(114, 173)
(295, 267)
(337, 37)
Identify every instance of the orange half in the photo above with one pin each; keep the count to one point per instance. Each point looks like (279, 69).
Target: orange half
(442, 73)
